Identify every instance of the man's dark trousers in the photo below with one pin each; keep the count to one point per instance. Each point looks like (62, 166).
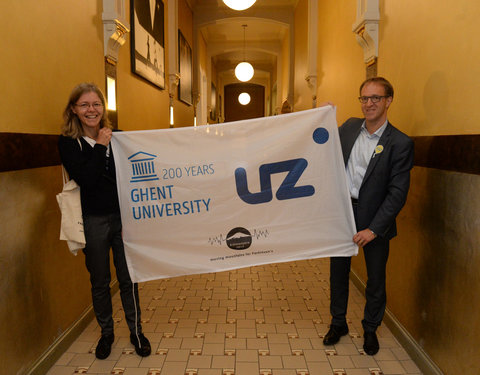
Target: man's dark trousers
(376, 256)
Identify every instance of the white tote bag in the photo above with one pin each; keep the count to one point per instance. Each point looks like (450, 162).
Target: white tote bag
(71, 228)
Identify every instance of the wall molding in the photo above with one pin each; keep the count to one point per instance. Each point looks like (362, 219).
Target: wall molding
(60, 346)
(115, 28)
(366, 29)
(457, 153)
(25, 151)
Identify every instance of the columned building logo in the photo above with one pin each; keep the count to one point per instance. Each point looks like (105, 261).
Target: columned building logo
(143, 168)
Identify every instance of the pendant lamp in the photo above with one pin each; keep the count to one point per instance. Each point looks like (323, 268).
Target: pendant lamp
(239, 4)
(244, 70)
(244, 98)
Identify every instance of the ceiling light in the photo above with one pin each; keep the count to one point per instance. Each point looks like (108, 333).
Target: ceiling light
(244, 70)
(239, 4)
(244, 98)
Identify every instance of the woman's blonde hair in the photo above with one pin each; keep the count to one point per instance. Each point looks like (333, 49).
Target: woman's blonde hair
(72, 127)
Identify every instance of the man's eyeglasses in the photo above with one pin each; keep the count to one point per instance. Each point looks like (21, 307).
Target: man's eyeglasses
(84, 106)
(373, 98)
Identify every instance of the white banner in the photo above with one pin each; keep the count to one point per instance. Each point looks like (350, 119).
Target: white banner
(219, 197)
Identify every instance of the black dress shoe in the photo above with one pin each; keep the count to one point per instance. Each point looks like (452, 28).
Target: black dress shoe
(334, 333)
(141, 344)
(370, 344)
(104, 346)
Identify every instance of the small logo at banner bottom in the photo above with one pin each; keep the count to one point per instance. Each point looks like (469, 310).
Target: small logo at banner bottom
(257, 234)
(239, 239)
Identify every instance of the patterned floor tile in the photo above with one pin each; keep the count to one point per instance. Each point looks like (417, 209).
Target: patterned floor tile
(266, 320)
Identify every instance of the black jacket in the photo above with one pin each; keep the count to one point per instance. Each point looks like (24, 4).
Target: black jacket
(93, 172)
(385, 186)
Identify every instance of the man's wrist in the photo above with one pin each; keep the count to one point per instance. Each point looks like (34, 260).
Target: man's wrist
(374, 234)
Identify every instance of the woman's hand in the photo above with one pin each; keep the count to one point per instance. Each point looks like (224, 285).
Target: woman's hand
(104, 136)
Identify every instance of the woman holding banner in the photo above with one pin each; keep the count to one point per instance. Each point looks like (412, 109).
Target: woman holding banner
(87, 156)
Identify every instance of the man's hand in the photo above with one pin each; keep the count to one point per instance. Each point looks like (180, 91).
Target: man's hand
(364, 237)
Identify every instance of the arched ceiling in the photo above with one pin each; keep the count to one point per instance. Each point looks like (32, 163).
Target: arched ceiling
(268, 23)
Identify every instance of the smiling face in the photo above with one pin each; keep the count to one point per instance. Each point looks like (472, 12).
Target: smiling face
(89, 109)
(375, 113)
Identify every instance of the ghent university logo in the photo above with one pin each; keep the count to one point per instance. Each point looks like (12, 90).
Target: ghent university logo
(143, 168)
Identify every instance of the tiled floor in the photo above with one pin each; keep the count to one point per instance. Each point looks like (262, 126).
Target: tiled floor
(265, 320)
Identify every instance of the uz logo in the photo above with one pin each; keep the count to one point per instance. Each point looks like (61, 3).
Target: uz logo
(287, 189)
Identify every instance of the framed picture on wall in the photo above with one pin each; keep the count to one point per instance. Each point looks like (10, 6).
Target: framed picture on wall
(213, 101)
(148, 40)
(185, 69)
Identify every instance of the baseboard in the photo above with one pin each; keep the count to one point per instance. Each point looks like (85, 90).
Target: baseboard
(414, 350)
(60, 346)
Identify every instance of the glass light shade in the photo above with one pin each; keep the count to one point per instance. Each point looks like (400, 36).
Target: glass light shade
(244, 71)
(239, 4)
(244, 98)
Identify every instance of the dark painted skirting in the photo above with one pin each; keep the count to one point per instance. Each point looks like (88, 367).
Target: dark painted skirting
(25, 151)
(459, 153)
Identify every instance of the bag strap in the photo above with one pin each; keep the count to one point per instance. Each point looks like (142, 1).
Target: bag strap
(65, 176)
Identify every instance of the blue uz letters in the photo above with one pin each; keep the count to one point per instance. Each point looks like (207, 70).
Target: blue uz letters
(287, 189)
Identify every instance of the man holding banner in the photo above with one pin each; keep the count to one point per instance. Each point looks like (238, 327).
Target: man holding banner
(378, 159)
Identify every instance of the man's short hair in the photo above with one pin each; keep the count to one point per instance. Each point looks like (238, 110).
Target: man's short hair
(381, 81)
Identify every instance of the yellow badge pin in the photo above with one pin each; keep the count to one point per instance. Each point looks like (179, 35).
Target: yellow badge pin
(378, 150)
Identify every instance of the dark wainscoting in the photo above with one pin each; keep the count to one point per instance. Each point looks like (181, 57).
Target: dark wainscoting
(459, 153)
(25, 151)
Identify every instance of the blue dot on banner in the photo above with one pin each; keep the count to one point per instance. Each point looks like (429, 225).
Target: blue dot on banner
(320, 136)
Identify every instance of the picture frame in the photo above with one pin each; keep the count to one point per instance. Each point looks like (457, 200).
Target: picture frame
(148, 40)
(185, 69)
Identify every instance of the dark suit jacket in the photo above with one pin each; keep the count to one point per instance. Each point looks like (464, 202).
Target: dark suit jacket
(385, 186)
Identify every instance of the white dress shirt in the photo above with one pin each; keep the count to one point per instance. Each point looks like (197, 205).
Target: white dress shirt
(362, 152)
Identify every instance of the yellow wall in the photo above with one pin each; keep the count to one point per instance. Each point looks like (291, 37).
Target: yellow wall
(183, 111)
(432, 58)
(142, 105)
(202, 86)
(430, 51)
(43, 288)
(302, 94)
(47, 48)
(340, 68)
(427, 50)
(285, 68)
(45, 54)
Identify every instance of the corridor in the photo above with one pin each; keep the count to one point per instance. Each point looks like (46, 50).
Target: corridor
(266, 320)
